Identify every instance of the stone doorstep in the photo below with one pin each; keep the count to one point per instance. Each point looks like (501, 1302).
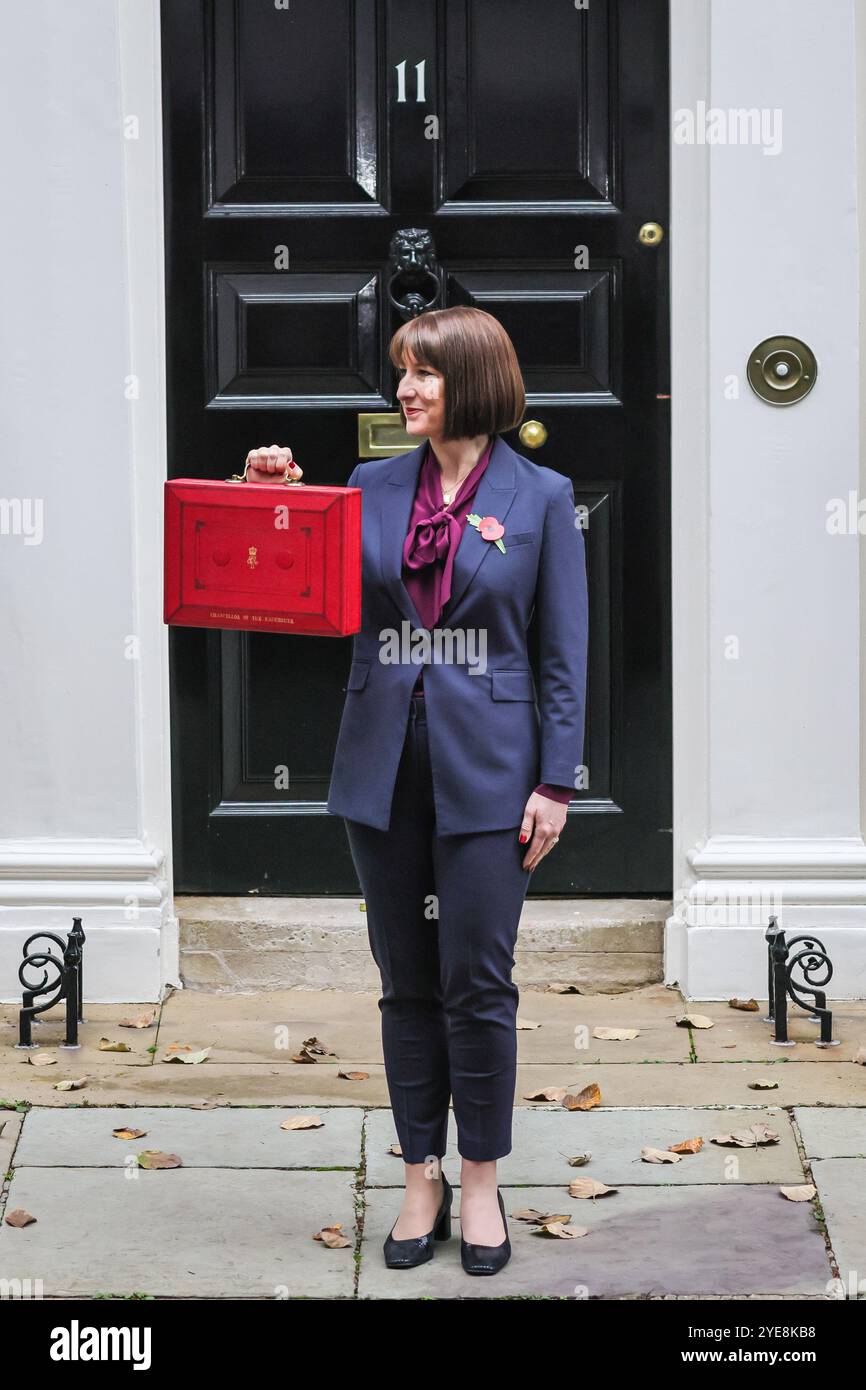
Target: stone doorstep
(234, 943)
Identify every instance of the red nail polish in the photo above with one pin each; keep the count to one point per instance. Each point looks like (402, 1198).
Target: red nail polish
(523, 839)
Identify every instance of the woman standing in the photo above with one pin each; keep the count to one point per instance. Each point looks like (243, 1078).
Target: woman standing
(452, 772)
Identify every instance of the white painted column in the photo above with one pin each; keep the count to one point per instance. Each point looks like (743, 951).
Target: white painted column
(85, 807)
(767, 630)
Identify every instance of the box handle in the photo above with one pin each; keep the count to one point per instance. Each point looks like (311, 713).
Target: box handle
(242, 478)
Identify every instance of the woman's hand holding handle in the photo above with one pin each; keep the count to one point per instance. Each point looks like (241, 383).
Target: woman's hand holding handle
(264, 463)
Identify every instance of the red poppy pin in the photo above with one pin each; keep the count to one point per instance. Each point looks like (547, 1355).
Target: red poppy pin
(490, 528)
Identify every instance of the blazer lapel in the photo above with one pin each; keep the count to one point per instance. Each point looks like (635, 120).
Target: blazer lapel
(493, 497)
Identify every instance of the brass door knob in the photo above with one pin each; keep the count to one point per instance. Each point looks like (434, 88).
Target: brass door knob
(650, 234)
(533, 434)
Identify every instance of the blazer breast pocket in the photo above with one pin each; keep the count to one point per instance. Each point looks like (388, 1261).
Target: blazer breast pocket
(358, 673)
(519, 538)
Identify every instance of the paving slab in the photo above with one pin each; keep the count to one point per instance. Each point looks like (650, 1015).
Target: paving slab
(732, 1241)
(222, 1138)
(567, 1022)
(544, 1140)
(271, 1026)
(267, 1028)
(829, 1132)
(177, 1084)
(841, 1183)
(197, 1233)
(101, 1020)
(259, 1027)
(740, 1036)
(657, 1083)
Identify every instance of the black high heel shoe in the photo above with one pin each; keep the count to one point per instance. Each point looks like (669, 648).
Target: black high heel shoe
(487, 1259)
(416, 1250)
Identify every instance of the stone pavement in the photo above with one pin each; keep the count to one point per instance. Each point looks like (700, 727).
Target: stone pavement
(237, 1219)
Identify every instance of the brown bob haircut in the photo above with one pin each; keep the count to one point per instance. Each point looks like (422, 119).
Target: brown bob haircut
(484, 391)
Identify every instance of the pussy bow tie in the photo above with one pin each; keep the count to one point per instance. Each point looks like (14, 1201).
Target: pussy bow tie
(431, 539)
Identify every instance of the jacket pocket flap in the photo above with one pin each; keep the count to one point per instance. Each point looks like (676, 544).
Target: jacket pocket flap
(358, 675)
(512, 685)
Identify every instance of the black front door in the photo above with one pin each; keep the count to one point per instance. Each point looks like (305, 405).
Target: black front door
(529, 138)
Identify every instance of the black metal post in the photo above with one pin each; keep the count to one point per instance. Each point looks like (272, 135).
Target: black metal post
(66, 983)
(781, 984)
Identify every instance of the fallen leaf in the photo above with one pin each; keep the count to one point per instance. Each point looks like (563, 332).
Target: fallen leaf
(19, 1217)
(748, 1005)
(747, 1138)
(659, 1156)
(615, 1034)
(559, 1231)
(590, 1096)
(190, 1059)
(540, 1217)
(526, 1023)
(39, 1059)
(143, 1021)
(799, 1194)
(579, 1160)
(70, 1085)
(694, 1021)
(860, 1056)
(564, 989)
(353, 1075)
(554, 1093)
(106, 1045)
(763, 1083)
(303, 1122)
(129, 1133)
(688, 1146)
(304, 1056)
(395, 1149)
(332, 1236)
(763, 1133)
(589, 1187)
(178, 1047)
(154, 1158)
(317, 1046)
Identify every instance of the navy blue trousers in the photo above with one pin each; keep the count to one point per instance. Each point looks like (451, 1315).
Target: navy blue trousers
(442, 918)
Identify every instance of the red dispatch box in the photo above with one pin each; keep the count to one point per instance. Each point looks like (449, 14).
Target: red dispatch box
(263, 557)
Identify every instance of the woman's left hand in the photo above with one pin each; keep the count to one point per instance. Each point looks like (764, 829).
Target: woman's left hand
(542, 825)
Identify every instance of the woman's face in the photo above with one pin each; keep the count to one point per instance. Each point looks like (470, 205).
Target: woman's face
(421, 393)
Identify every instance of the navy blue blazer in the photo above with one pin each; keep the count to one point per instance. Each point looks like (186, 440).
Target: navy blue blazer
(492, 736)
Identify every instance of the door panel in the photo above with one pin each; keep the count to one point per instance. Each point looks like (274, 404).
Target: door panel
(531, 141)
(292, 109)
(527, 105)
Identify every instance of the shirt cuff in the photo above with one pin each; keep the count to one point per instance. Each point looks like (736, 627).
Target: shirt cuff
(561, 794)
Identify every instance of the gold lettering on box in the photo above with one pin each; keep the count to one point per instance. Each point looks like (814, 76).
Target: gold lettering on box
(249, 617)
